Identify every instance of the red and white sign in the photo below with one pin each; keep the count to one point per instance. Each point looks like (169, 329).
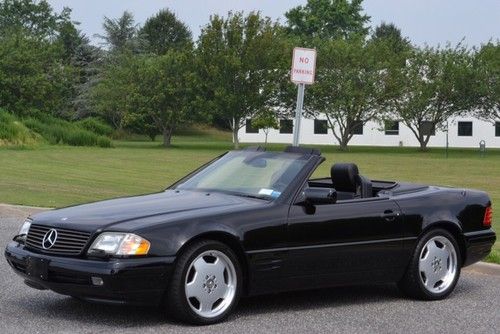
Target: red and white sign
(303, 66)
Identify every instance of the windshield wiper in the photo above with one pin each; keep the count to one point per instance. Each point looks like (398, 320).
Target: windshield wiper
(262, 197)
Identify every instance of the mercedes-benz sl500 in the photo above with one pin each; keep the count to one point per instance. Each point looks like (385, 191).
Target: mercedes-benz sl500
(253, 222)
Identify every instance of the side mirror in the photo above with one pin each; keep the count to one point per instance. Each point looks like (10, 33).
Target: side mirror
(318, 196)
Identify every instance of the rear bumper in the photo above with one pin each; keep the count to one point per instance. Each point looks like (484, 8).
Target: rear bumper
(478, 245)
(125, 281)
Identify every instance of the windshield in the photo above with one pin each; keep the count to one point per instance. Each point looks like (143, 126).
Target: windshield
(253, 174)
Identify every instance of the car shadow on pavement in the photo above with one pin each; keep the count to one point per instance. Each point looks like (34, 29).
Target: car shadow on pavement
(67, 308)
(319, 298)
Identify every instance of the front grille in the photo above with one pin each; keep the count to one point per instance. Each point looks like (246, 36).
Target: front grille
(68, 242)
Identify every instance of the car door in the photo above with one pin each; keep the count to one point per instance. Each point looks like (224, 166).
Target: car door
(351, 241)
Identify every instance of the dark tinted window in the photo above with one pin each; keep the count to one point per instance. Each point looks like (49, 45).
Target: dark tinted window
(392, 128)
(497, 129)
(465, 129)
(286, 126)
(427, 128)
(320, 127)
(249, 128)
(356, 127)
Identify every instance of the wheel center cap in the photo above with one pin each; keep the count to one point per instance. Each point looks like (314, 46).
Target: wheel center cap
(210, 283)
(436, 264)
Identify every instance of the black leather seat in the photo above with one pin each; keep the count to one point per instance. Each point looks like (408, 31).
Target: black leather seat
(348, 183)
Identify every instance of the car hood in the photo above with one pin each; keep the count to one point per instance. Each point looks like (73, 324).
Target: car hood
(99, 215)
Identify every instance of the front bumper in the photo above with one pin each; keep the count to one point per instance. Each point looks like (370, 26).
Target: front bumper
(478, 245)
(125, 281)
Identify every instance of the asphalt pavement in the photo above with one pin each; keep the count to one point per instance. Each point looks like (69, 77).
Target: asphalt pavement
(474, 307)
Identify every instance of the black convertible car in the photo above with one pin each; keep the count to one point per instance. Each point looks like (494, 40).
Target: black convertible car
(253, 222)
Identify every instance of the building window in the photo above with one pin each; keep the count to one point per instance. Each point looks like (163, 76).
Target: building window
(497, 129)
(427, 128)
(465, 129)
(320, 127)
(392, 128)
(286, 126)
(355, 127)
(249, 128)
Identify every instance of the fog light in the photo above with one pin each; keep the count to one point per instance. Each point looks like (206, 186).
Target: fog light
(97, 281)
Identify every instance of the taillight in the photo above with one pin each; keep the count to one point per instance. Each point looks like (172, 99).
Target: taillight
(488, 217)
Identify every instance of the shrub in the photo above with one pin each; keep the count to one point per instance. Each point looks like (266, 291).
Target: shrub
(104, 142)
(96, 126)
(57, 131)
(13, 132)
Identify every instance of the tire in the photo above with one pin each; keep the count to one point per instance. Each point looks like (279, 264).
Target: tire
(209, 272)
(434, 268)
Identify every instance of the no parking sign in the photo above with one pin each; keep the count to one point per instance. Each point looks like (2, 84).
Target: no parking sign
(303, 72)
(303, 66)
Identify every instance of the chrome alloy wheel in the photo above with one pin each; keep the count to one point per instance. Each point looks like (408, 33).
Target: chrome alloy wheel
(210, 284)
(438, 264)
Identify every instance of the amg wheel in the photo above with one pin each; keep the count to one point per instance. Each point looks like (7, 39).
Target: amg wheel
(206, 283)
(435, 267)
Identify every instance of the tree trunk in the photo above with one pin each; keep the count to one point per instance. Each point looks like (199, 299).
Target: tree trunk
(423, 142)
(344, 140)
(235, 128)
(236, 141)
(167, 137)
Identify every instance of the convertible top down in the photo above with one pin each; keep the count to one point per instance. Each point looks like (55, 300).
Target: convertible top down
(252, 222)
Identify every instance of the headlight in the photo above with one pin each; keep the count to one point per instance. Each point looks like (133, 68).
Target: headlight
(115, 243)
(23, 232)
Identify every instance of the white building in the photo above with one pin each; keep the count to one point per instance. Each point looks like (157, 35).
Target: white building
(462, 132)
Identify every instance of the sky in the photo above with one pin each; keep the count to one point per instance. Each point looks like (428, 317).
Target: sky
(431, 22)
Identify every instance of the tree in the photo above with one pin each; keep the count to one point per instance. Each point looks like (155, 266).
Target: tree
(434, 85)
(69, 38)
(163, 92)
(84, 59)
(265, 120)
(87, 62)
(142, 123)
(238, 64)
(40, 67)
(328, 19)
(111, 96)
(487, 64)
(33, 18)
(121, 33)
(32, 77)
(351, 86)
(164, 32)
(389, 33)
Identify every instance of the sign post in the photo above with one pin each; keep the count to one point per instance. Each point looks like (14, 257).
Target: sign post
(303, 72)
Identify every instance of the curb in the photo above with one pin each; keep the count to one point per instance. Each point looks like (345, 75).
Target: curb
(20, 206)
(484, 268)
(18, 211)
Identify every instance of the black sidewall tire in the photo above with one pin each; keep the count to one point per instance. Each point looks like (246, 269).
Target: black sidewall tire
(411, 283)
(177, 303)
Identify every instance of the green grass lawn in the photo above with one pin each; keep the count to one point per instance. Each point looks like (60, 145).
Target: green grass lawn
(55, 176)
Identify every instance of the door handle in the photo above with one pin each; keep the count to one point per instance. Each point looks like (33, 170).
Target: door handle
(390, 215)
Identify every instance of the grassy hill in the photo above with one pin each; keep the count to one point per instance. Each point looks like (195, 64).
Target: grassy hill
(33, 131)
(15, 133)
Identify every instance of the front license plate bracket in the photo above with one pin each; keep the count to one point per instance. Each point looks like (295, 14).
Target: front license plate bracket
(37, 268)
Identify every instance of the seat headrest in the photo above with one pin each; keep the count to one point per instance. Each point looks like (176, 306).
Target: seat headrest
(345, 177)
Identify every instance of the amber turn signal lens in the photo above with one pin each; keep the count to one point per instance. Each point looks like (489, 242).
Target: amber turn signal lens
(118, 243)
(133, 245)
